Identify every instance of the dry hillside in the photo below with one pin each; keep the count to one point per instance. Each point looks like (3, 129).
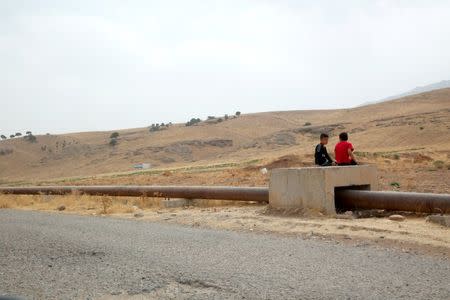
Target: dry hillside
(413, 125)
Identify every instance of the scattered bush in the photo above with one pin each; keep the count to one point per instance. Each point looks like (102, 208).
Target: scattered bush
(18, 134)
(158, 127)
(113, 142)
(28, 132)
(226, 117)
(3, 137)
(238, 113)
(307, 124)
(219, 120)
(396, 156)
(106, 204)
(114, 135)
(211, 117)
(421, 128)
(395, 185)
(12, 136)
(193, 121)
(6, 151)
(30, 138)
(438, 164)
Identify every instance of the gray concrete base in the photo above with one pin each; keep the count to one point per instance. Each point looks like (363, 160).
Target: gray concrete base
(312, 189)
(174, 203)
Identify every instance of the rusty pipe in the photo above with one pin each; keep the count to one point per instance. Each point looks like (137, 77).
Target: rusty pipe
(258, 194)
(348, 199)
(394, 201)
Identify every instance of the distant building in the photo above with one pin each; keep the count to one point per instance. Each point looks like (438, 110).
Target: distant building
(142, 166)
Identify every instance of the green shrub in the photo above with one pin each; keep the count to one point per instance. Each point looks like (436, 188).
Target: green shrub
(30, 138)
(395, 184)
(307, 124)
(114, 135)
(193, 121)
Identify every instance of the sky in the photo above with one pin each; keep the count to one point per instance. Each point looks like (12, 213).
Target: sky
(83, 65)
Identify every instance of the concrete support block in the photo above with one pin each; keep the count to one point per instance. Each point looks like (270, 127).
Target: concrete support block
(312, 189)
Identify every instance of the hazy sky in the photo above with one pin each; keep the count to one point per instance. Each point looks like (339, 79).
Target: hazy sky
(108, 64)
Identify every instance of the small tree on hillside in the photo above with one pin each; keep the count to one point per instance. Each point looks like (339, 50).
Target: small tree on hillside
(28, 132)
(238, 113)
(12, 136)
(3, 137)
(154, 127)
(193, 121)
(113, 142)
(31, 138)
(18, 134)
(114, 135)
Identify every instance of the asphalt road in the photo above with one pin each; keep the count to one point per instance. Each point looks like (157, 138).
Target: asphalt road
(49, 255)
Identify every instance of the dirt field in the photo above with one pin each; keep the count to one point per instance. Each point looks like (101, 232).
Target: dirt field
(403, 128)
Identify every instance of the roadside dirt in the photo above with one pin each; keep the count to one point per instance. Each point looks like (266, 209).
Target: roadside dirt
(412, 234)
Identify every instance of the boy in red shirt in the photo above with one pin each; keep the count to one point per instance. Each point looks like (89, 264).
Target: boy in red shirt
(344, 151)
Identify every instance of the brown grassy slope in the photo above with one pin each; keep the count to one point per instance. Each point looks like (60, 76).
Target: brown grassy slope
(415, 123)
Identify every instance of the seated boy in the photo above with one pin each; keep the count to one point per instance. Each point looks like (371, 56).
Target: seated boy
(321, 154)
(344, 151)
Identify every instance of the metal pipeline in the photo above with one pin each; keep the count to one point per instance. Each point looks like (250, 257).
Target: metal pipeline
(394, 201)
(347, 199)
(258, 194)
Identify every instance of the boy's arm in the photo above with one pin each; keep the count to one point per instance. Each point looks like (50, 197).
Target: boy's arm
(350, 153)
(327, 156)
(317, 154)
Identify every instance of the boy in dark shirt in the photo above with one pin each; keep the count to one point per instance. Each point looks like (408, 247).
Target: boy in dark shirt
(321, 154)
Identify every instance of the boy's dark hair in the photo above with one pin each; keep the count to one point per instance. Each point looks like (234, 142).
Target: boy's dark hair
(343, 136)
(323, 135)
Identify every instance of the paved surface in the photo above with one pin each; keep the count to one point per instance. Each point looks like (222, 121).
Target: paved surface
(45, 256)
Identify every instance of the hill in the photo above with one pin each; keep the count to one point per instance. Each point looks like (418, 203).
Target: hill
(443, 84)
(414, 123)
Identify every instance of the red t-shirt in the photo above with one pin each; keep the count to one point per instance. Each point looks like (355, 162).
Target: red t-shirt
(341, 152)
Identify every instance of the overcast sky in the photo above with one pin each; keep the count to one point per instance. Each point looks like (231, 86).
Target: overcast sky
(108, 64)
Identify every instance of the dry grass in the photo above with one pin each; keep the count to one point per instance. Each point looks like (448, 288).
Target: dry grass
(96, 205)
(72, 203)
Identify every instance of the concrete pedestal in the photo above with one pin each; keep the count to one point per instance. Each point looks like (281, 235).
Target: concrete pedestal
(312, 189)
